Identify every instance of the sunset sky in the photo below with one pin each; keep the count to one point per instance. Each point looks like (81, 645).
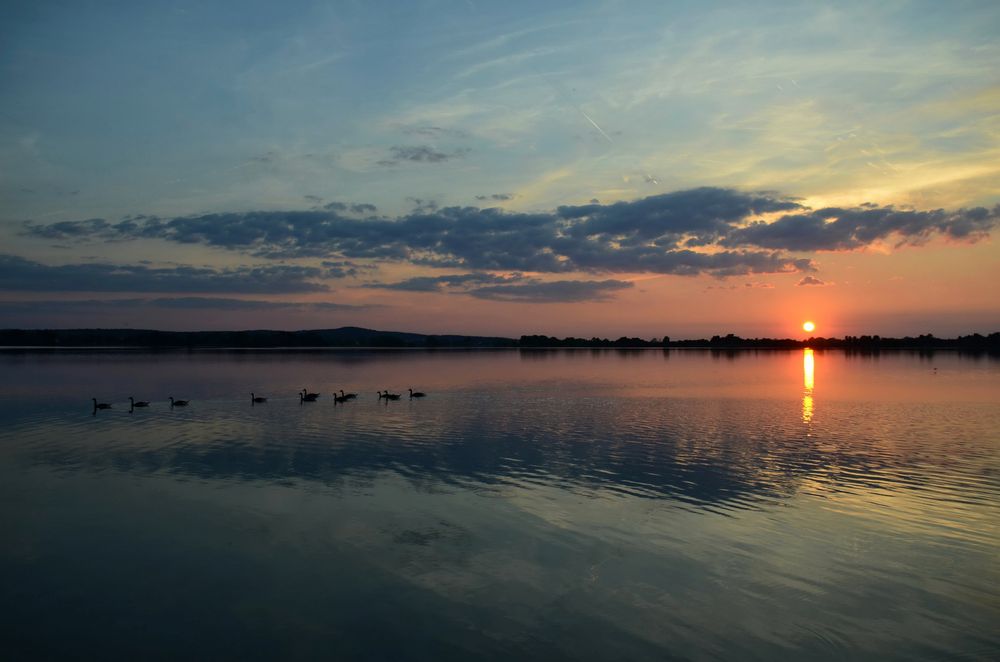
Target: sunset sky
(603, 168)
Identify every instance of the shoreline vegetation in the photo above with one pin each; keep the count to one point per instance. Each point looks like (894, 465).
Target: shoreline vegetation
(355, 337)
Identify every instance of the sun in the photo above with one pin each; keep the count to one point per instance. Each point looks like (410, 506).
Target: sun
(808, 327)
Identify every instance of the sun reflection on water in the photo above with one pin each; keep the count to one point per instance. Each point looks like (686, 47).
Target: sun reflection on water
(808, 372)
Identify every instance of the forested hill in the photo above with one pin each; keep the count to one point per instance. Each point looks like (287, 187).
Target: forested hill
(348, 336)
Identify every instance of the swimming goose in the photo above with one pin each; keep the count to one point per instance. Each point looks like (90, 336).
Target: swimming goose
(255, 398)
(391, 396)
(132, 403)
(100, 405)
(348, 396)
(416, 394)
(309, 396)
(178, 403)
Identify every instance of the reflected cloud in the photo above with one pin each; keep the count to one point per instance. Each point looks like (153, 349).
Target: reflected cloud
(518, 431)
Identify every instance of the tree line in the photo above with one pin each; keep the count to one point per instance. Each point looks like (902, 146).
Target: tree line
(973, 341)
(359, 337)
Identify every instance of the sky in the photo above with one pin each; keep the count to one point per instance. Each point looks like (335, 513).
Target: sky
(568, 168)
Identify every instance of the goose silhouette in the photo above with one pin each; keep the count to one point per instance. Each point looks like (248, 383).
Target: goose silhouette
(132, 404)
(256, 398)
(347, 396)
(178, 403)
(100, 405)
(416, 394)
(391, 396)
(309, 396)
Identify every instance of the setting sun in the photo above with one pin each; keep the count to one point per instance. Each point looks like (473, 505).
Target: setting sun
(808, 327)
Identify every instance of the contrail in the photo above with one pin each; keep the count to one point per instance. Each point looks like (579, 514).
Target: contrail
(597, 127)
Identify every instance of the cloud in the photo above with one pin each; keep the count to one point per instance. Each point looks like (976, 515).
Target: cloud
(438, 283)
(836, 228)
(560, 291)
(422, 206)
(750, 285)
(642, 236)
(420, 154)
(513, 287)
(697, 231)
(73, 229)
(435, 131)
(166, 303)
(215, 303)
(265, 157)
(343, 268)
(498, 197)
(809, 280)
(361, 209)
(695, 216)
(20, 274)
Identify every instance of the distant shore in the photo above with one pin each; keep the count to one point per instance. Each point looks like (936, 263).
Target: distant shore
(359, 338)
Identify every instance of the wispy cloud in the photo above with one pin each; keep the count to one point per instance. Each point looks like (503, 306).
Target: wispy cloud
(439, 283)
(511, 287)
(435, 131)
(420, 154)
(360, 209)
(560, 291)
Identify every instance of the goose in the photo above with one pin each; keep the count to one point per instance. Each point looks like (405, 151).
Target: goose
(341, 399)
(348, 396)
(308, 395)
(100, 405)
(132, 404)
(416, 394)
(178, 403)
(391, 396)
(256, 399)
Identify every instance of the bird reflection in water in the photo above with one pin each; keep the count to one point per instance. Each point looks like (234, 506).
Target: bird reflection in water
(808, 371)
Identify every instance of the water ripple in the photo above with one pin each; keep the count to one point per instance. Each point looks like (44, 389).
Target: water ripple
(662, 521)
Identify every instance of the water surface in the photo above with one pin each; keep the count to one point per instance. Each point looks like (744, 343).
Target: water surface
(538, 504)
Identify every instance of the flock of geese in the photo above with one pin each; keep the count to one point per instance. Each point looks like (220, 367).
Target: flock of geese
(304, 396)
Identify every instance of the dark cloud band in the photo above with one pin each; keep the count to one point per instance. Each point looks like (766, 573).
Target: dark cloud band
(20, 274)
(836, 228)
(704, 230)
(166, 303)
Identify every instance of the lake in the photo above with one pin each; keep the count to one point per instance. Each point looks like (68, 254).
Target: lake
(641, 504)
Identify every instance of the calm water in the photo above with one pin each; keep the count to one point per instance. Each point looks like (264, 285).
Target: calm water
(542, 505)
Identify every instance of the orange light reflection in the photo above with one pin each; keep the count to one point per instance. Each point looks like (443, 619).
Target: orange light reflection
(809, 381)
